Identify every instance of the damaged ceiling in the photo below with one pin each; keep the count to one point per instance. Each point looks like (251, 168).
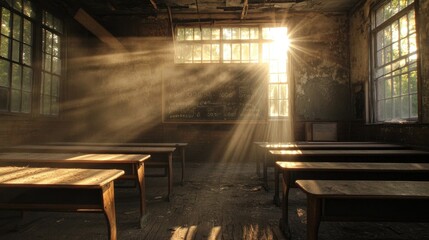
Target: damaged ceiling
(152, 8)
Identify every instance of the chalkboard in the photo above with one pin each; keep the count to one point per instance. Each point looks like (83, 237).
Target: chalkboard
(215, 93)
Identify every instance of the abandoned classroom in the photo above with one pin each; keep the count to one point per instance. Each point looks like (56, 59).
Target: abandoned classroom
(214, 119)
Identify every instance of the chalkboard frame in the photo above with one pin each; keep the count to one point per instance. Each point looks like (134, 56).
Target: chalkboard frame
(240, 76)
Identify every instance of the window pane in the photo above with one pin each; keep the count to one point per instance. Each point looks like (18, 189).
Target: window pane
(215, 33)
(15, 51)
(396, 86)
(254, 51)
(55, 86)
(16, 76)
(245, 33)
(56, 65)
(48, 42)
(245, 52)
(413, 82)
(254, 33)
(54, 106)
(15, 105)
(27, 79)
(226, 33)
(56, 45)
(26, 102)
(283, 91)
(414, 106)
(283, 108)
(404, 26)
(197, 53)
(397, 107)
(4, 46)
(16, 27)
(28, 9)
(5, 22)
(215, 52)
(236, 52)
(274, 91)
(4, 98)
(46, 84)
(405, 112)
(274, 108)
(206, 34)
(197, 34)
(227, 52)
(47, 62)
(235, 33)
(28, 32)
(180, 34)
(17, 4)
(4, 73)
(404, 81)
(206, 52)
(26, 54)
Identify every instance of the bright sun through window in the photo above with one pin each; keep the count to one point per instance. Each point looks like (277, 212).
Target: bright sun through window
(241, 44)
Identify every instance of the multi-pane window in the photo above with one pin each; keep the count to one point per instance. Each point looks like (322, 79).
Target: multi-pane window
(274, 52)
(241, 44)
(16, 56)
(395, 61)
(51, 64)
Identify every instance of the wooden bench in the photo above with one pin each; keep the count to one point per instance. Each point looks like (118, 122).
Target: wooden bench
(292, 171)
(161, 157)
(131, 164)
(181, 147)
(60, 189)
(403, 201)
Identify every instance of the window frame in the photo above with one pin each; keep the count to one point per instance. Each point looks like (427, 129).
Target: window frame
(36, 59)
(374, 67)
(259, 40)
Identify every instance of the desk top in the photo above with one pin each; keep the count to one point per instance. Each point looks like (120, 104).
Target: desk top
(111, 144)
(353, 166)
(334, 145)
(89, 149)
(57, 177)
(73, 157)
(365, 189)
(349, 152)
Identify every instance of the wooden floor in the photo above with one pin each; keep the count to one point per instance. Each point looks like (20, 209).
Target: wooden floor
(218, 201)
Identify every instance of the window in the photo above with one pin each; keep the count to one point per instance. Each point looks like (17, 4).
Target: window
(16, 57)
(20, 27)
(51, 64)
(395, 62)
(241, 44)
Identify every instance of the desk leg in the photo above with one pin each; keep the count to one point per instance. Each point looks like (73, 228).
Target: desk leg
(139, 173)
(313, 217)
(276, 199)
(182, 150)
(170, 175)
(264, 171)
(284, 221)
(109, 209)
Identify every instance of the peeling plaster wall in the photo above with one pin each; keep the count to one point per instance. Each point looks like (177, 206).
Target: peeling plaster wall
(320, 65)
(417, 133)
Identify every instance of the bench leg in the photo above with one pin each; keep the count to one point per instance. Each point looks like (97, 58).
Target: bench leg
(313, 217)
(139, 173)
(170, 175)
(182, 150)
(109, 209)
(284, 221)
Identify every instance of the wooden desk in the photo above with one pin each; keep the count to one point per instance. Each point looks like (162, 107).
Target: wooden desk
(159, 153)
(60, 189)
(404, 201)
(292, 171)
(179, 146)
(131, 164)
(269, 160)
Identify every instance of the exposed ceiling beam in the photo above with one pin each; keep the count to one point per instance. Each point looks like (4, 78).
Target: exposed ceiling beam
(98, 30)
(153, 2)
(245, 8)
